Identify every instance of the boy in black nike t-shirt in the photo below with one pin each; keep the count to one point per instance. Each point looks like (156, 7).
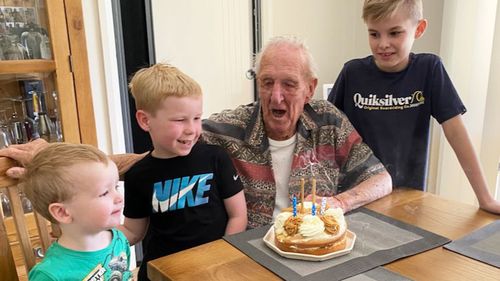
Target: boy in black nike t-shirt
(390, 96)
(182, 193)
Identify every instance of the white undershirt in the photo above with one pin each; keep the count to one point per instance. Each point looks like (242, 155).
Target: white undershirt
(282, 155)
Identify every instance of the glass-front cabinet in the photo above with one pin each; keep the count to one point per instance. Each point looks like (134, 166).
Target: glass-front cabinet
(44, 78)
(44, 91)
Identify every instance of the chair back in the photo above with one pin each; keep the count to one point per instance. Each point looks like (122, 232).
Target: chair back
(24, 236)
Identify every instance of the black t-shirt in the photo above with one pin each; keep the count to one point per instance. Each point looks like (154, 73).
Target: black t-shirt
(183, 196)
(391, 111)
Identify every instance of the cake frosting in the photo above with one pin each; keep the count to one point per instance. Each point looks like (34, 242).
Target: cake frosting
(312, 234)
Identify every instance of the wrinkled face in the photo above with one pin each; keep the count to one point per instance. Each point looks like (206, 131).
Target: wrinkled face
(97, 204)
(176, 126)
(391, 40)
(284, 89)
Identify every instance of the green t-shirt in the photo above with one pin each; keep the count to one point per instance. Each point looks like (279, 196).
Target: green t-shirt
(110, 263)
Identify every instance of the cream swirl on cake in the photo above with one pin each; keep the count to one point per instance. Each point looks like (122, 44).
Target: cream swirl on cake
(311, 226)
(279, 222)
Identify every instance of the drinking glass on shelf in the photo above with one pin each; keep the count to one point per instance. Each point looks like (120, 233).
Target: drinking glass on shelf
(26, 203)
(5, 133)
(55, 118)
(43, 123)
(15, 50)
(4, 138)
(7, 212)
(28, 122)
(19, 134)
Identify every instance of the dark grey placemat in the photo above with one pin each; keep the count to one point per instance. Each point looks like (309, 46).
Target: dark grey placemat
(378, 274)
(380, 240)
(482, 245)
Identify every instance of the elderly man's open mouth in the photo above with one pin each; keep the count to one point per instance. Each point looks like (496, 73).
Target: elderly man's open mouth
(278, 113)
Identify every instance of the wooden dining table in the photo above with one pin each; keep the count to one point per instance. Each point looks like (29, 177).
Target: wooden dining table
(219, 260)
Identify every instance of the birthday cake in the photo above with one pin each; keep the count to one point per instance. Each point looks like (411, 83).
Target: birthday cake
(310, 232)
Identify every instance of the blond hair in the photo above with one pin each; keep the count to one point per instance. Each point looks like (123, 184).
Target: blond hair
(380, 9)
(150, 86)
(47, 179)
(292, 41)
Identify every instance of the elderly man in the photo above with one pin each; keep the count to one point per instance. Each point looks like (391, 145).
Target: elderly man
(283, 137)
(286, 136)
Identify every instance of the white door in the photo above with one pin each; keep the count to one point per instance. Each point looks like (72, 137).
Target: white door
(211, 41)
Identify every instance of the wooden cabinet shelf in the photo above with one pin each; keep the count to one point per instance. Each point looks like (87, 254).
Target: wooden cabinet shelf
(25, 66)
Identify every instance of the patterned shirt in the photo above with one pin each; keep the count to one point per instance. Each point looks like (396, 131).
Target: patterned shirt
(328, 149)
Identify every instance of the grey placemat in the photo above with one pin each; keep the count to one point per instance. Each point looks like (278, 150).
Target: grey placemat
(378, 274)
(482, 245)
(380, 240)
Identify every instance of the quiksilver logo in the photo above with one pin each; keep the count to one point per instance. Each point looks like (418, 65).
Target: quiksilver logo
(388, 101)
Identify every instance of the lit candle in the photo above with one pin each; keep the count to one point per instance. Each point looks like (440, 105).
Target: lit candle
(302, 182)
(294, 205)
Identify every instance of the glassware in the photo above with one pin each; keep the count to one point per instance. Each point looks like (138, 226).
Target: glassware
(5, 133)
(55, 118)
(29, 123)
(45, 47)
(31, 40)
(7, 212)
(19, 134)
(25, 202)
(15, 51)
(4, 139)
(43, 123)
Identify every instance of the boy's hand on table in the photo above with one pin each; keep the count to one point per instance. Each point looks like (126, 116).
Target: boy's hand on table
(492, 206)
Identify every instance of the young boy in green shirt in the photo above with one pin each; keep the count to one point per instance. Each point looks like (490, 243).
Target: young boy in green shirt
(75, 187)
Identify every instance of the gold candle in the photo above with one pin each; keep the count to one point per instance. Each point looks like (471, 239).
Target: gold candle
(314, 191)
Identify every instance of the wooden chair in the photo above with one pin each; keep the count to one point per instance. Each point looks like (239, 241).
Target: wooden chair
(21, 243)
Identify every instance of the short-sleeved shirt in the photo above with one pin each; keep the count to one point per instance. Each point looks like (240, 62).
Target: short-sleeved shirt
(391, 111)
(110, 263)
(183, 197)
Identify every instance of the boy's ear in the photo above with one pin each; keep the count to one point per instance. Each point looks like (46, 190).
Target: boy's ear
(142, 119)
(421, 26)
(59, 213)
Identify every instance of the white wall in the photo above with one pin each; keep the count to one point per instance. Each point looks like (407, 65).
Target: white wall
(490, 152)
(466, 49)
(211, 42)
(326, 26)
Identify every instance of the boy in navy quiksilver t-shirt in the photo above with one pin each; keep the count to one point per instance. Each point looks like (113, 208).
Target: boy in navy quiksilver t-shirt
(390, 96)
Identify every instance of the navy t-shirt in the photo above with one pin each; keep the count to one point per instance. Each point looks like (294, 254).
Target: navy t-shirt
(391, 111)
(183, 197)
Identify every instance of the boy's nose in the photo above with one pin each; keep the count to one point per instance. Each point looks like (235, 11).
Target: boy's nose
(189, 128)
(118, 197)
(384, 42)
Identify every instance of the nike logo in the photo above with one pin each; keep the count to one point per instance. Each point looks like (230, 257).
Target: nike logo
(235, 177)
